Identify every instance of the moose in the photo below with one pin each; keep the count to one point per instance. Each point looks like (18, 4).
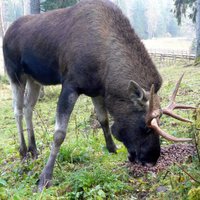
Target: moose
(89, 49)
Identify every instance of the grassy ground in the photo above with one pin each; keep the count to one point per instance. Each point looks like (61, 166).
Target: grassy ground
(84, 169)
(169, 44)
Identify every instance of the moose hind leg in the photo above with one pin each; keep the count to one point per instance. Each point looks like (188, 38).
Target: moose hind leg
(31, 96)
(102, 117)
(18, 102)
(65, 106)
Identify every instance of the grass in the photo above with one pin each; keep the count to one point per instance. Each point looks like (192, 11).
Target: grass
(84, 168)
(167, 43)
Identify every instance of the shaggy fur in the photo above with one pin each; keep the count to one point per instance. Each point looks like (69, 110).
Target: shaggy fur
(90, 49)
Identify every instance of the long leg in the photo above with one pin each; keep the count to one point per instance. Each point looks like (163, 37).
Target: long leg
(18, 103)
(65, 106)
(31, 96)
(103, 119)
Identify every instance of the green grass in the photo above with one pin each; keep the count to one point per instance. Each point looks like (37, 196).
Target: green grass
(84, 168)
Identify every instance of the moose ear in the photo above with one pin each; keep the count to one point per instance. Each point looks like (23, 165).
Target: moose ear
(136, 93)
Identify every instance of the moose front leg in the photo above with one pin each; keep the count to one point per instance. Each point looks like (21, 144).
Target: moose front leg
(65, 106)
(102, 117)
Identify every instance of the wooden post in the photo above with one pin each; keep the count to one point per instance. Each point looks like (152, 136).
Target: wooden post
(198, 30)
(198, 118)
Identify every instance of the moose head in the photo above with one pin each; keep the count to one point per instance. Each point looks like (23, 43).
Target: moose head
(141, 137)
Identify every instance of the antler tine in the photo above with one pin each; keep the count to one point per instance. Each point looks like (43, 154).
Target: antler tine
(153, 115)
(172, 105)
(159, 131)
(152, 112)
(169, 113)
(151, 99)
(173, 97)
(182, 106)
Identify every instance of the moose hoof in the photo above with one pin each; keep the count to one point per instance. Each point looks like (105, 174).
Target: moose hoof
(23, 153)
(44, 182)
(34, 152)
(112, 148)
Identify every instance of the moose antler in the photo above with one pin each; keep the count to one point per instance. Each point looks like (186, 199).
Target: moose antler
(172, 105)
(154, 125)
(154, 114)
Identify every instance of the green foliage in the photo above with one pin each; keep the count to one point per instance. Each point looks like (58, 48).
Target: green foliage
(96, 183)
(197, 60)
(182, 7)
(54, 4)
(4, 80)
(84, 168)
(194, 194)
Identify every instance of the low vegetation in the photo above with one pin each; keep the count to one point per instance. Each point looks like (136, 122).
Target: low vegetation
(84, 168)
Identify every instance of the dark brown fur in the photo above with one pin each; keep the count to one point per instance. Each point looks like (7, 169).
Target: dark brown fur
(90, 49)
(103, 34)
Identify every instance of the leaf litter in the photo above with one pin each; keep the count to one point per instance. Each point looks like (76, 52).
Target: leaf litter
(171, 154)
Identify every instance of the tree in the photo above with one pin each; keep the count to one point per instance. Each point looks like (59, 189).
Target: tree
(191, 9)
(55, 4)
(186, 8)
(2, 30)
(138, 19)
(26, 7)
(35, 6)
(198, 30)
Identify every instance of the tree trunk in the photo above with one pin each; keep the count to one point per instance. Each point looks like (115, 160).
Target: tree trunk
(2, 32)
(35, 6)
(2, 29)
(198, 32)
(35, 9)
(26, 7)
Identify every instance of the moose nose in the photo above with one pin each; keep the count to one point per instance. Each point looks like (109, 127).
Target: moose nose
(146, 164)
(131, 157)
(149, 164)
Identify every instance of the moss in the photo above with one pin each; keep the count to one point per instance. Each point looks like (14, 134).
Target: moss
(194, 194)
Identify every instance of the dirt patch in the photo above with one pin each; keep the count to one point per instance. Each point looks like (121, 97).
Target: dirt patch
(176, 153)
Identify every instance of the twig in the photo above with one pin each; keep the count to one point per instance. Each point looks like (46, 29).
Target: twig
(166, 174)
(187, 173)
(197, 118)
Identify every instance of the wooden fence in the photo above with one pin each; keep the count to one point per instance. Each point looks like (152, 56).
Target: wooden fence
(161, 57)
(164, 57)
